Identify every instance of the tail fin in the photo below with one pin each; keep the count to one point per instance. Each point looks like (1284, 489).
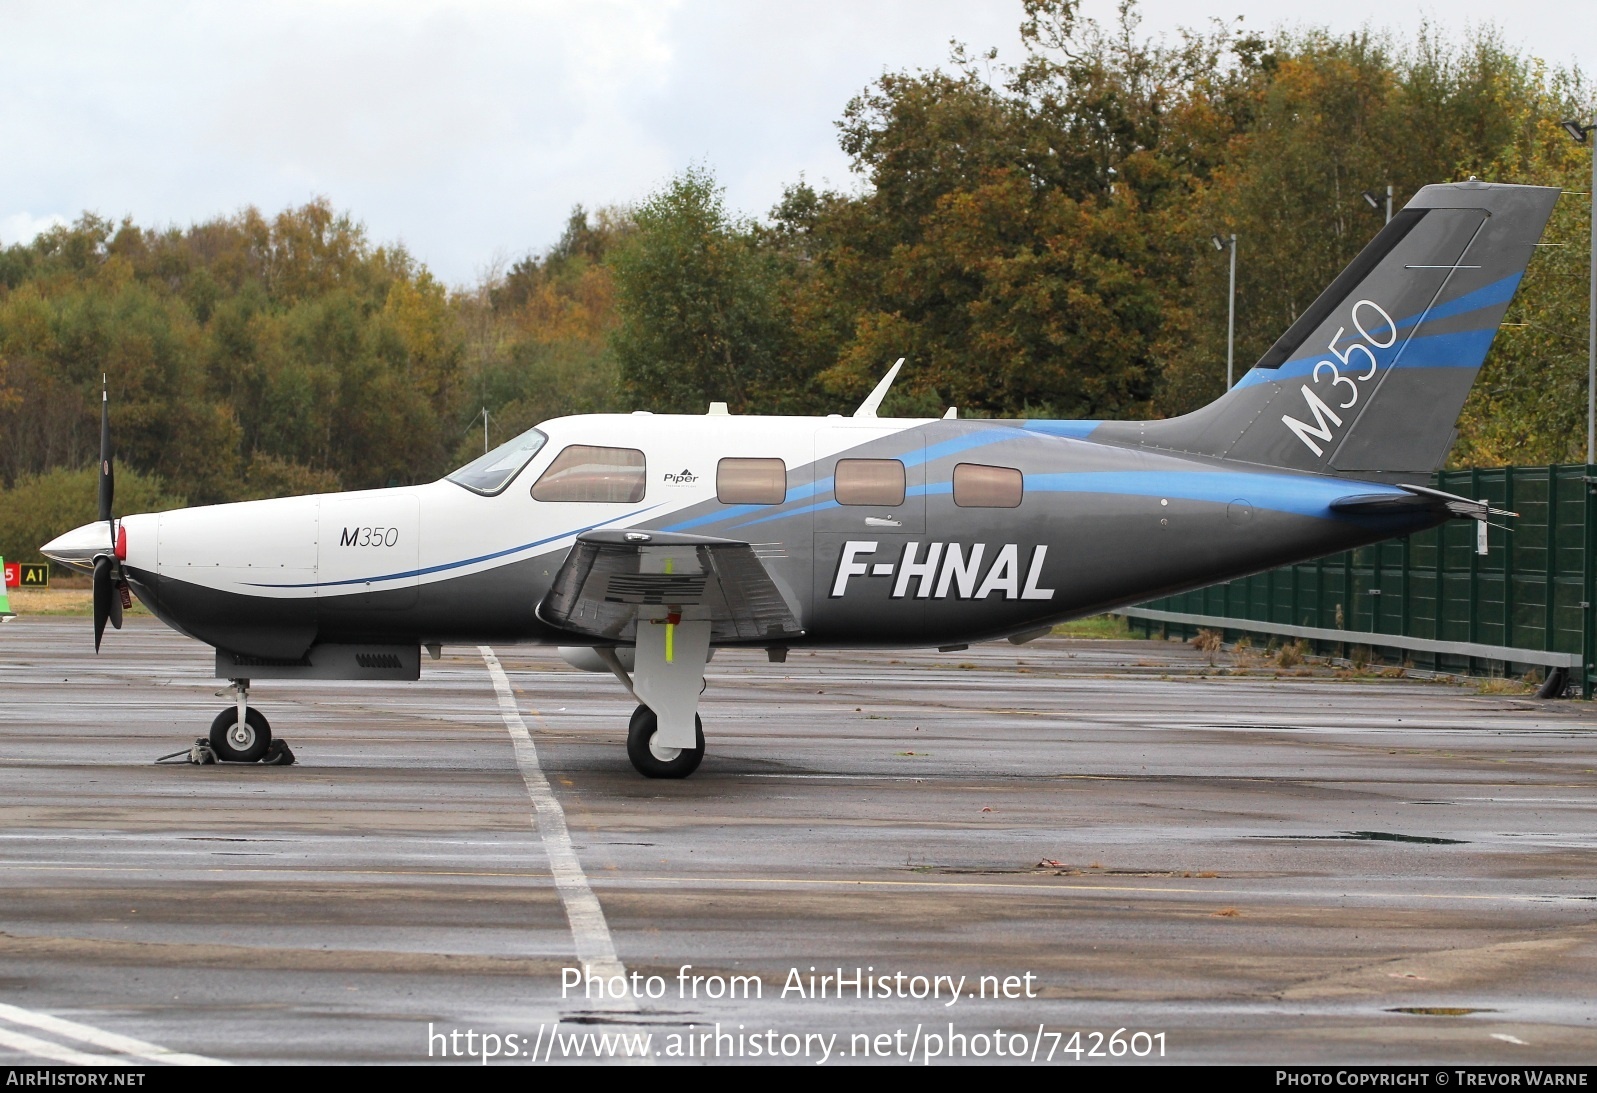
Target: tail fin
(1372, 377)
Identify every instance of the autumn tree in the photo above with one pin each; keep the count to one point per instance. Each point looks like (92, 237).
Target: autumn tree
(698, 305)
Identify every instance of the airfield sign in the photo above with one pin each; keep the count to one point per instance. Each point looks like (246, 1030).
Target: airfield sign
(27, 574)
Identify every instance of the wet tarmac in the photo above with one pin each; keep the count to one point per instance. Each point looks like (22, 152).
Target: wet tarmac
(1098, 836)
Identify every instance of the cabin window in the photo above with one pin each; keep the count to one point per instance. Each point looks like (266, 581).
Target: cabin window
(981, 487)
(586, 472)
(751, 481)
(491, 473)
(869, 482)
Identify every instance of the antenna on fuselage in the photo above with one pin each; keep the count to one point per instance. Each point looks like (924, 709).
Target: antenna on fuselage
(873, 400)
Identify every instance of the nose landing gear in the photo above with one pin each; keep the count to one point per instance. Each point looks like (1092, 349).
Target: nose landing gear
(238, 735)
(240, 741)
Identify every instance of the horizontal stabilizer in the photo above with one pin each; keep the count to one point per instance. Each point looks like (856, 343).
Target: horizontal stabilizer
(1383, 504)
(1415, 499)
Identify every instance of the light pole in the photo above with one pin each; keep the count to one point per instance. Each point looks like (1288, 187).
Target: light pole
(1231, 312)
(1580, 133)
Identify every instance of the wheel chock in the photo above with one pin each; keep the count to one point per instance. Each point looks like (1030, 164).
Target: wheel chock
(278, 754)
(201, 754)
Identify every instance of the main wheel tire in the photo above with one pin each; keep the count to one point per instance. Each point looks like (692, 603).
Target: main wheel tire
(657, 762)
(236, 743)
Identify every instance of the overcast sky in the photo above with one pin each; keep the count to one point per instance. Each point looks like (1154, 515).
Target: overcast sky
(468, 130)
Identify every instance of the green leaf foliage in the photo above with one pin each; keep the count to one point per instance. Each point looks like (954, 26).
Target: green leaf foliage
(1032, 234)
(700, 310)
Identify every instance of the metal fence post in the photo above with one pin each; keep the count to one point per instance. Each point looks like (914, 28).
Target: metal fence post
(1588, 638)
(1405, 585)
(1508, 559)
(1550, 569)
(1474, 578)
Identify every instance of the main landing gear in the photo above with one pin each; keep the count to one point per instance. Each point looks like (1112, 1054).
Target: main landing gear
(665, 738)
(650, 757)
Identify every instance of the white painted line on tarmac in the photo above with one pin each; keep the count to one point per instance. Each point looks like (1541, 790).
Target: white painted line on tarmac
(44, 1049)
(130, 1048)
(588, 927)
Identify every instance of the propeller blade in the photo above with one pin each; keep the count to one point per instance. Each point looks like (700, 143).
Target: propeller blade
(107, 476)
(104, 596)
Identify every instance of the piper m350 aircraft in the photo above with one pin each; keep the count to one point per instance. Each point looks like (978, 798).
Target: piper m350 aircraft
(641, 543)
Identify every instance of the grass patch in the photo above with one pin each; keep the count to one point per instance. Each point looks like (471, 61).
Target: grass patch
(1098, 627)
(1505, 685)
(59, 601)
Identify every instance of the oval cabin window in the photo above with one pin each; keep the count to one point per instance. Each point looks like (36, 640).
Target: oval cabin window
(869, 482)
(977, 486)
(751, 481)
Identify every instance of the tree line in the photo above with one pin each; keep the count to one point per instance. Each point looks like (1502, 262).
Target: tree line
(1032, 234)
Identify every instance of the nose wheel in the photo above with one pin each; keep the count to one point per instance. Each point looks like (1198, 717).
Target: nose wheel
(240, 741)
(649, 758)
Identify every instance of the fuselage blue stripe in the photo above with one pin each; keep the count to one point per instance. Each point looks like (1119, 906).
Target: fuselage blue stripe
(1458, 349)
(1296, 494)
(1075, 429)
(1299, 495)
(1467, 352)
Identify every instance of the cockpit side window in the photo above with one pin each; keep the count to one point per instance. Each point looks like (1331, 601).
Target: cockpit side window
(587, 472)
(494, 471)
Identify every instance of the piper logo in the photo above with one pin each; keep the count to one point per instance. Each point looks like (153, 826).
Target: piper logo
(680, 478)
(946, 568)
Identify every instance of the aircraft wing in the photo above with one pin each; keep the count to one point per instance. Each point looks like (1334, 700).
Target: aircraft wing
(612, 576)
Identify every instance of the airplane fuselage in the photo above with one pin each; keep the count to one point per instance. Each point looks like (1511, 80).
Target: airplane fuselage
(1049, 525)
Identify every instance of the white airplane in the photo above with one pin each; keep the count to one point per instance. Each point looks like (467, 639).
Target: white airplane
(640, 543)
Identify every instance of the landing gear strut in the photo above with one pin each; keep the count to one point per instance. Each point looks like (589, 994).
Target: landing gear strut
(240, 734)
(650, 758)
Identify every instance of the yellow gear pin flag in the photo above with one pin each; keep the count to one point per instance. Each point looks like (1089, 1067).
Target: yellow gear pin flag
(671, 622)
(5, 599)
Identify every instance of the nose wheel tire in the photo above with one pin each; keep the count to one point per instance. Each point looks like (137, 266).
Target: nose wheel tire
(236, 742)
(653, 761)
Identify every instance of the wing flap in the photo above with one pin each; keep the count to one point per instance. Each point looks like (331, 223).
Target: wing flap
(610, 578)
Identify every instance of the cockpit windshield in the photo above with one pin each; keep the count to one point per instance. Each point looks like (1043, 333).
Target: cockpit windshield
(495, 470)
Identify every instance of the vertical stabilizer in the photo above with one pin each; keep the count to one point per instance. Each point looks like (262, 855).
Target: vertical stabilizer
(1371, 378)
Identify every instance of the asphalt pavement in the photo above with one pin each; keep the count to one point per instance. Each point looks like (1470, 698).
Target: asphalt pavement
(1000, 853)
